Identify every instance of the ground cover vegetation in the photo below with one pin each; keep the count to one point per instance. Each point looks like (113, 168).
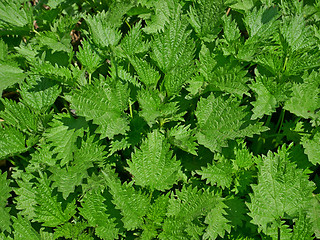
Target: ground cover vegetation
(146, 119)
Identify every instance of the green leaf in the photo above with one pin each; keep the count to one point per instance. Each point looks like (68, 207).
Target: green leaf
(133, 42)
(63, 134)
(104, 103)
(4, 211)
(184, 138)
(89, 57)
(221, 119)
(296, 35)
(206, 27)
(133, 204)
(95, 211)
(73, 231)
(12, 142)
(147, 74)
(173, 81)
(48, 208)
(26, 196)
(265, 104)
(163, 11)
(66, 179)
(173, 47)
(291, 191)
(52, 40)
(314, 215)
(219, 173)
(24, 230)
(19, 116)
(13, 17)
(39, 93)
(218, 224)
(156, 110)
(103, 34)
(312, 148)
(155, 217)
(305, 101)
(154, 165)
(10, 75)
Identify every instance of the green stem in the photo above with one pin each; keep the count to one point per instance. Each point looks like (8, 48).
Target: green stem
(280, 120)
(285, 64)
(90, 78)
(22, 157)
(130, 108)
(128, 24)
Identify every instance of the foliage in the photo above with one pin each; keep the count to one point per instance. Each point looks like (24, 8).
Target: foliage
(188, 119)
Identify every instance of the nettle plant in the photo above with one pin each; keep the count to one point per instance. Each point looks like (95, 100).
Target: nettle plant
(147, 119)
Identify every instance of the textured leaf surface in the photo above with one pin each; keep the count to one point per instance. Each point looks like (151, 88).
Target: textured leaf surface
(10, 75)
(312, 148)
(133, 204)
(94, 211)
(219, 173)
(24, 230)
(39, 93)
(26, 120)
(200, 18)
(290, 190)
(48, 208)
(12, 141)
(5, 194)
(105, 105)
(154, 165)
(63, 135)
(221, 119)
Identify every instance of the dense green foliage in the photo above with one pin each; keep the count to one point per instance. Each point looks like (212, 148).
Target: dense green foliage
(147, 119)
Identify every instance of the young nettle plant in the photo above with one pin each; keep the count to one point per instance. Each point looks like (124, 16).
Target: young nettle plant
(189, 119)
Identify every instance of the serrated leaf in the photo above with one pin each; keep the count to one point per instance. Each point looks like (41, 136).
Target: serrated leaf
(73, 231)
(89, 57)
(105, 105)
(94, 211)
(103, 34)
(4, 211)
(305, 100)
(296, 35)
(155, 110)
(133, 204)
(12, 142)
(183, 137)
(147, 74)
(39, 93)
(19, 116)
(190, 203)
(206, 27)
(291, 190)
(13, 17)
(154, 165)
(265, 103)
(48, 209)
(221, 119)
(173, 47)
(24, 230)
(26, 196)
(218, 173)
(218, 224)
(63, 135)
(10, 75)
(53, 41)
(312, 148)
(133, 42)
